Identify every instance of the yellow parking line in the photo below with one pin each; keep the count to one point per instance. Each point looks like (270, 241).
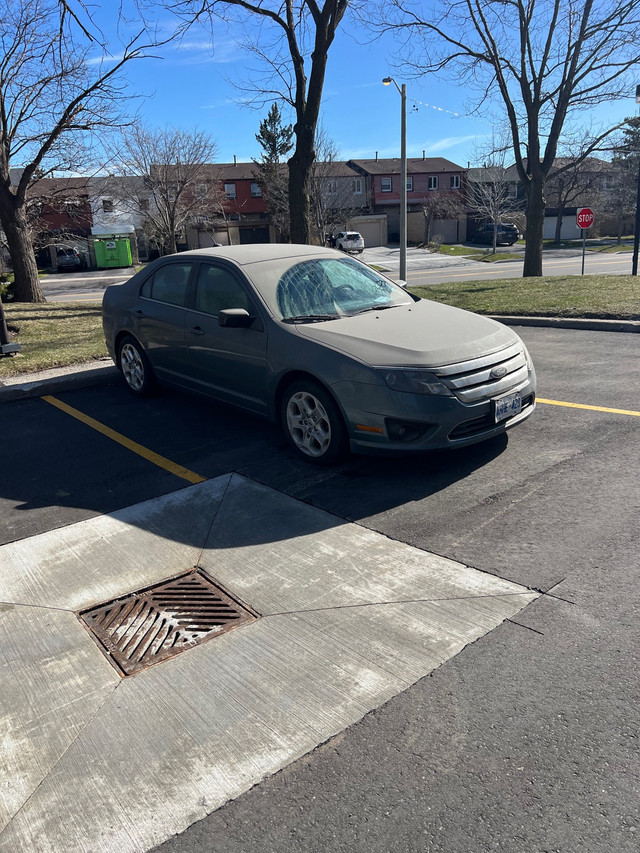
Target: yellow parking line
(591, 408)
(158, 460)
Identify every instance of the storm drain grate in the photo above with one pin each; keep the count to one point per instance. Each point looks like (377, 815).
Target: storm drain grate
(156, 623)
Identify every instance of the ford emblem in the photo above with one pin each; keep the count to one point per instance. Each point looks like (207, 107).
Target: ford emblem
(499, 372)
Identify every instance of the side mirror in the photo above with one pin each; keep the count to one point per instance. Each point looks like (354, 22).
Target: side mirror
(235, 318)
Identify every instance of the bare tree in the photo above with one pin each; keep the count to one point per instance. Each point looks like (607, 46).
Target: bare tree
(490, 195)
(167, 182)
(440, 205)
(544, 61)
(51, 98)
(331, 192)
(570, 182)
(295, 38)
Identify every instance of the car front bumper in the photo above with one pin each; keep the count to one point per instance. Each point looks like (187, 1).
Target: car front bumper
(381, 419)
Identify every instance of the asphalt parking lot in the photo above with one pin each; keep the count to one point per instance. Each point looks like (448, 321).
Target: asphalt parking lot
(524, 741)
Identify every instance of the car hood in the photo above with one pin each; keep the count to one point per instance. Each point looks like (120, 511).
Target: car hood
(425, 334)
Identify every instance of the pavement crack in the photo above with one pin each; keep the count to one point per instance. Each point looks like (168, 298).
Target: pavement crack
(527, 627)
(59, 759)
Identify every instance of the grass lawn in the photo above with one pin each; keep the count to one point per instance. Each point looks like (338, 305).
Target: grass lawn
(455, 251)
(602, 296)
(53, 334)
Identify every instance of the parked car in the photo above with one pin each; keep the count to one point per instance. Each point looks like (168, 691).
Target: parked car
(349, 241)
(70, 260)
(507, 234)
(338, 354)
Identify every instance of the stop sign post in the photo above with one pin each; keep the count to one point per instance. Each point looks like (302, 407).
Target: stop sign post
(584, 219)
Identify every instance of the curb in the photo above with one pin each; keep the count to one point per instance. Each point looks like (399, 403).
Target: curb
(86, 375)
(591, 325)
(51, 381)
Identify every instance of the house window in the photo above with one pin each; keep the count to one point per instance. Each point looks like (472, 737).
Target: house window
(256, 190)
(332, 187)
(356, 186)
(410, 184)
(230, 190)
(433, 182)
(107, 205)
(385, 185)
(200, 190)
(455, 182)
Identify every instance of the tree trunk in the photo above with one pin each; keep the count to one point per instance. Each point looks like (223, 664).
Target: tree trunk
(535, 226)
(299, 180)
(558, 235)
(25, 270)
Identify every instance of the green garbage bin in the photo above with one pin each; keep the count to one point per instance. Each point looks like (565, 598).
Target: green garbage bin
(113, 252)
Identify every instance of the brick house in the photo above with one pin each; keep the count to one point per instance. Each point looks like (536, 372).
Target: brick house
(426, 176)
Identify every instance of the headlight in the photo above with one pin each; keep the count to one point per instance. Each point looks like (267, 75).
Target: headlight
(415, 382)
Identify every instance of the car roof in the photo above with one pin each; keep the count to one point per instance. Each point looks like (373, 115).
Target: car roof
(257, 252)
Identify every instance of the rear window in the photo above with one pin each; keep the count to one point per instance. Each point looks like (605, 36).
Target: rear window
(168, 284)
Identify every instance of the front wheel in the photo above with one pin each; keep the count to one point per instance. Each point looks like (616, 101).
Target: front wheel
(134, 366)
(313, 423)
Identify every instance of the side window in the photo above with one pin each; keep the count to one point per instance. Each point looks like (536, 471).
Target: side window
(217, 289)
(168, 284)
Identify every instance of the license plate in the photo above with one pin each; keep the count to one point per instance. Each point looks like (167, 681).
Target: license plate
(508, 406)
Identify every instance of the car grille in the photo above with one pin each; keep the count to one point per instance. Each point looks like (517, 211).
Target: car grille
(472, 381)
(480, 425)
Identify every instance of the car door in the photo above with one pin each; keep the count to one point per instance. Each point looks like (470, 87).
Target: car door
(226, 362)
(159, 319)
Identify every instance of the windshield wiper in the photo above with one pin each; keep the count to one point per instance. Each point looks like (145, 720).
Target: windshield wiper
(378, 308)
(311, 318)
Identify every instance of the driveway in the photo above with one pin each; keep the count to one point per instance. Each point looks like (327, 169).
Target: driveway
(524, 740)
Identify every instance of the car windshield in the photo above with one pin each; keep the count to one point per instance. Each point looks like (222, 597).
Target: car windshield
(333, 287)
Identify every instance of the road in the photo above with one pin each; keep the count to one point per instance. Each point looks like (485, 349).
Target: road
(526, 741)
(555, 262)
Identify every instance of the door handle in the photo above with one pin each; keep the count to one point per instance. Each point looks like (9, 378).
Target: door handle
(196, 330)
(139, 313)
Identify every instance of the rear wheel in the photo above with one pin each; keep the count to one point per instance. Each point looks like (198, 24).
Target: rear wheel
(313, 423)
(134, 366)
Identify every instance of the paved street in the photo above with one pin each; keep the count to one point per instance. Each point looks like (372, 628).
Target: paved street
(524, 740)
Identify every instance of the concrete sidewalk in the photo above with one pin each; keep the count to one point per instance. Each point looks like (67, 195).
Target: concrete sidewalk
(95, 761)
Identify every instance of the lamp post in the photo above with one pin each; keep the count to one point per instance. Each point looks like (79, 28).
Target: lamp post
(636, 232)
(403, 176)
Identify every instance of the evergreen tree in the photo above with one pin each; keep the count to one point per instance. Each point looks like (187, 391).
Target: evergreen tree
(274, 138)
(276, 141)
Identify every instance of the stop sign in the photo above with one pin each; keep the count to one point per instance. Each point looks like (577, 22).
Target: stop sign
(585, 217)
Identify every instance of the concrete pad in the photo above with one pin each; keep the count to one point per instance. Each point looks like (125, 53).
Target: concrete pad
(349, 619)
(98, 559)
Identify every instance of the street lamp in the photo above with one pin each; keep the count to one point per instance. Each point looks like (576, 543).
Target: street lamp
(403, 176)
(636, 232)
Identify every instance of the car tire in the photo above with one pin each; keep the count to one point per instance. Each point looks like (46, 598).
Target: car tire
(313, 423)
(135, 368)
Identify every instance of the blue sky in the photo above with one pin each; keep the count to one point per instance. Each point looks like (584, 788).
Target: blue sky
(190, 84)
